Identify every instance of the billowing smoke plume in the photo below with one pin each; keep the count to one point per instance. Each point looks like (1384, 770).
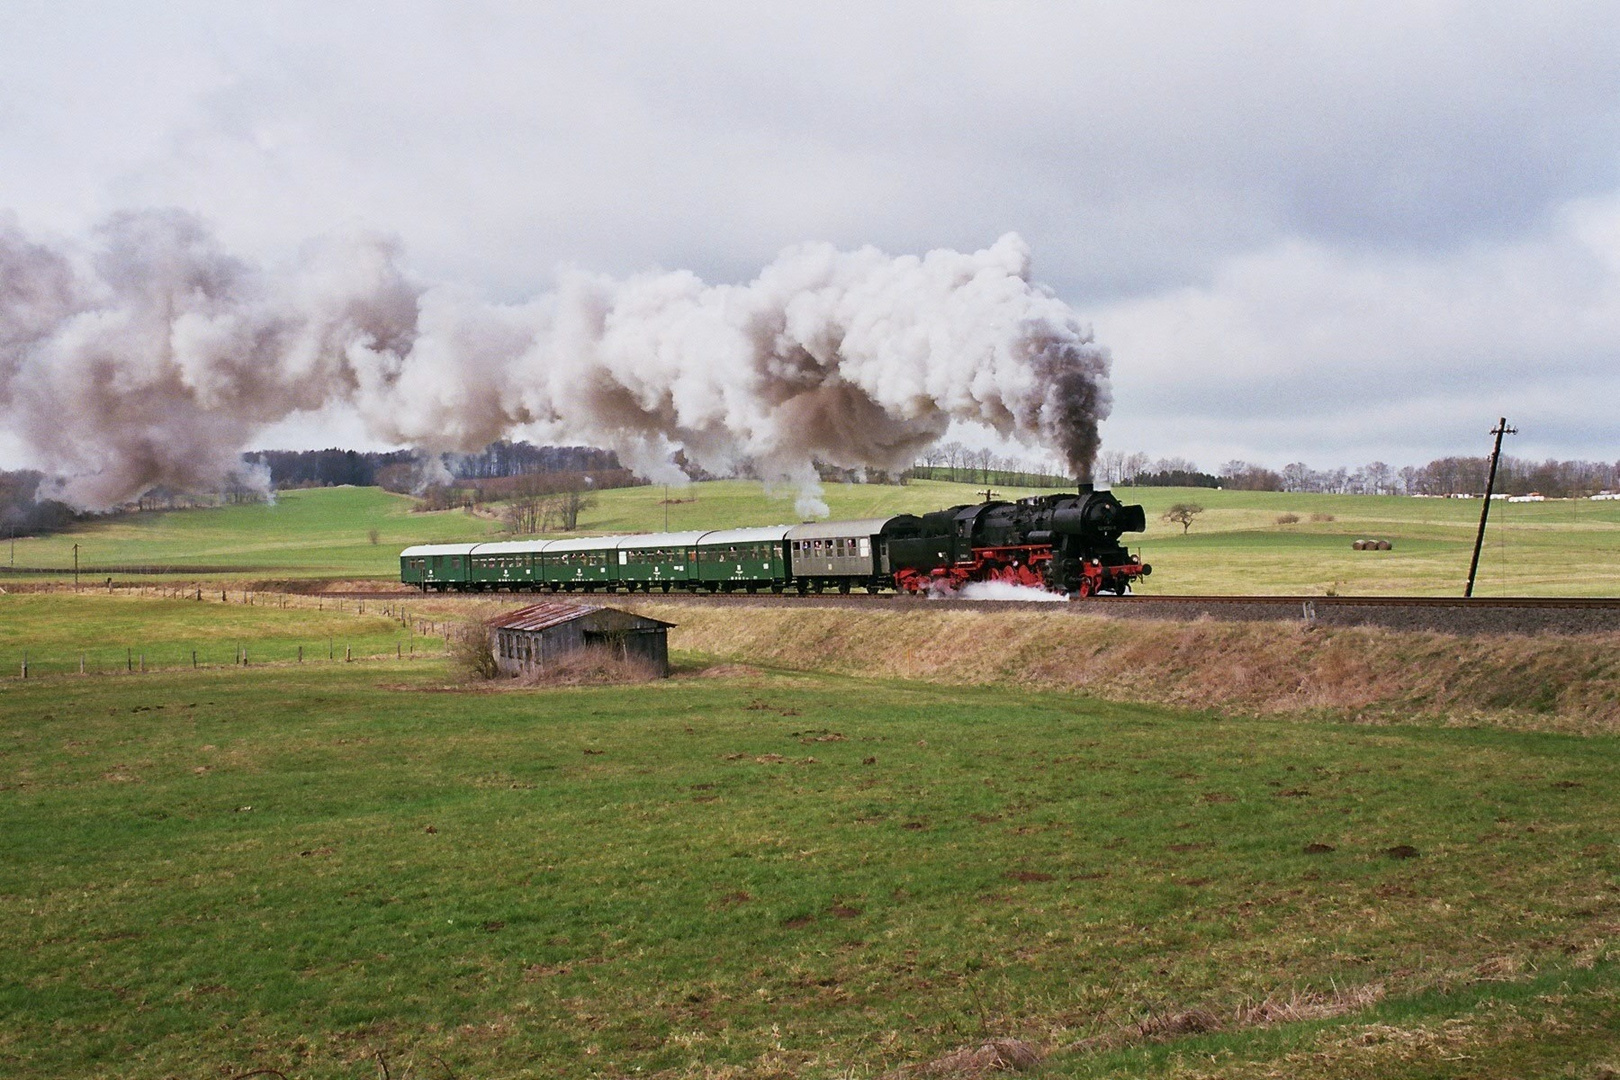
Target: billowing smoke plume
(157, 357)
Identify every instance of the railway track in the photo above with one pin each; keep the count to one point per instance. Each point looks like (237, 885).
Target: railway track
(1453, 615)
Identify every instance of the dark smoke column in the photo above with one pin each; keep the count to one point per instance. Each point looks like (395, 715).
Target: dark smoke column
(1075, 373)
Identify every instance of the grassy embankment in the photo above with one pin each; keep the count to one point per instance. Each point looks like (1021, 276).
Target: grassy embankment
(330, 869)
(1566, 548)
(1570, 683)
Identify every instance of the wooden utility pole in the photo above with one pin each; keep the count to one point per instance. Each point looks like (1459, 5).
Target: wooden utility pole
(1499, 430)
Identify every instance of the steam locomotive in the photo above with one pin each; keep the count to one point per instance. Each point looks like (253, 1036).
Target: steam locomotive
(1067, 544)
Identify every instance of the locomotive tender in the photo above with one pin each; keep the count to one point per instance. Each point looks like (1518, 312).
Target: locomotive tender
(1068, 544)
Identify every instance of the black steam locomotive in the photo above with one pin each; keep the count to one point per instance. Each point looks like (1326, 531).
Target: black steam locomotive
(1068, 544)
(1062, 543)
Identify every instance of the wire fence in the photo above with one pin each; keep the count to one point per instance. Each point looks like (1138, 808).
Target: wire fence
(412, 637)
(170, 656)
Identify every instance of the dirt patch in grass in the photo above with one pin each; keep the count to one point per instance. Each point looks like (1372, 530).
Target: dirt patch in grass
(1565, 683)
(987, 1059)
(727, 671)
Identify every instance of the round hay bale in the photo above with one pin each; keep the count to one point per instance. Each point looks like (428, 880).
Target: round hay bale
(1384, 545)
(1359, 545)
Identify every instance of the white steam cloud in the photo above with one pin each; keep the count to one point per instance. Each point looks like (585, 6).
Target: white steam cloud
(155, 358)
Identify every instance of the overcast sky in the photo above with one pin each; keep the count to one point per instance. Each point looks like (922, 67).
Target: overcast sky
(1321, 232)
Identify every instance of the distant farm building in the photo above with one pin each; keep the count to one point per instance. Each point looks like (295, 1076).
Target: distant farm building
(531, 639)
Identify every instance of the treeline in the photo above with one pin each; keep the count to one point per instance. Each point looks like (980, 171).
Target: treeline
(405, 470)
(528, 490)
(977, 465)
(1443, 476)
(988, 476)
(502, 459)
(331, 467)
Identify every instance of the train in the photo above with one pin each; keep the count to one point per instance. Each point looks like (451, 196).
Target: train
(1065, 544)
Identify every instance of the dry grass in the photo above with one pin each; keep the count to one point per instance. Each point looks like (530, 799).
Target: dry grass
(1157, 1027)
(472, 655)
(1567, 683)
(590, 667)
(995, 1056)
(1297, 1006)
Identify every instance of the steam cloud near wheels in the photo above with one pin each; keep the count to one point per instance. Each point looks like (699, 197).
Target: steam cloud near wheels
(153, 357)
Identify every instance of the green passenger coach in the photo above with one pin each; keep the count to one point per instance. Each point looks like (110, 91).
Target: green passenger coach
(658, 560)
(748, 559)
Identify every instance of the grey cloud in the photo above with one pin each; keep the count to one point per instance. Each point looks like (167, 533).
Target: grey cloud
(1148, 152)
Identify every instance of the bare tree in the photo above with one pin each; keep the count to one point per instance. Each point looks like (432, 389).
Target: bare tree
(561, 512)
(983, 459)
(1182, 514)
(1380, 477)
(523, 514)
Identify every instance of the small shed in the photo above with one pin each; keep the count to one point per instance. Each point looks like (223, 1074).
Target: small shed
(531, 639)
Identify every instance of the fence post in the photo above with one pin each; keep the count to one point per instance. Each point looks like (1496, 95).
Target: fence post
(143, 663)
(193, 658)
(348, 653)
(81, 663)
(300, 654)
(25, 666)
(129, 660)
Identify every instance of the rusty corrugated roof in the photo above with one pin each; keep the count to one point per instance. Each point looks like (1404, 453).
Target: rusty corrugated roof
(543, 616)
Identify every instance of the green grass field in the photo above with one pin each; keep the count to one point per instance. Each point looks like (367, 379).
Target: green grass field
(1555, 548)
(324, 532)
(1238, 546)
(328, 870)
(57, 632)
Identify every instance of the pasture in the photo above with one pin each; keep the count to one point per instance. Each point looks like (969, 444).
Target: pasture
(320, 532)
(96, 632)
(359, 870)
(1244, 542)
